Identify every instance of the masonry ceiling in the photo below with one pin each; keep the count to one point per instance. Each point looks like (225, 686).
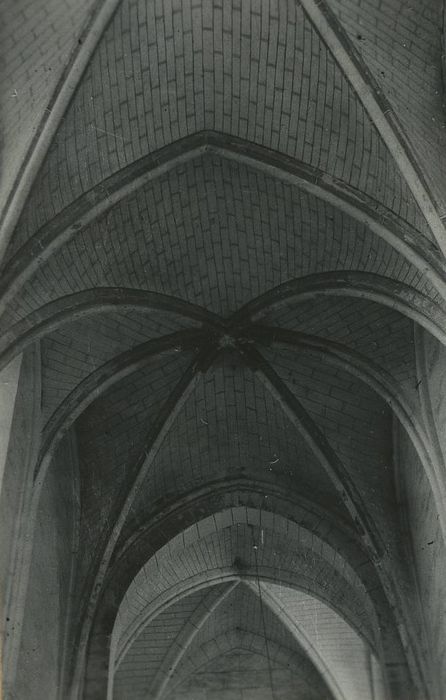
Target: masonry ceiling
(222, 262)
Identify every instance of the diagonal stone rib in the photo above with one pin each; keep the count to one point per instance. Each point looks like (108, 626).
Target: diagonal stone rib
(378, 109)
(51, 119)
(378, 380)
(277, 608)
(102, 379)
(185, 638)
(320, 447)
(138, 473)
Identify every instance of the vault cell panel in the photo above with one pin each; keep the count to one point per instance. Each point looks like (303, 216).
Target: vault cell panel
(270, 80)
(111, 436)
(72, 353)
(215, 233)
(231, 428)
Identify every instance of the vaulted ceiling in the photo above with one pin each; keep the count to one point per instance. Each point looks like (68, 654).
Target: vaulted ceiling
(221, 233)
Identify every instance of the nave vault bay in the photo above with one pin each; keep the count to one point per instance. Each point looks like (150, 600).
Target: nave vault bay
(222, 350)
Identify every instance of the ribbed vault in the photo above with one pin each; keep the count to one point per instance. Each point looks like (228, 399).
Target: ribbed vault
(243, 549)
(223, 248)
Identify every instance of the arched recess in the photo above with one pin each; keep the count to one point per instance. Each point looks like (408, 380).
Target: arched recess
(96, 635)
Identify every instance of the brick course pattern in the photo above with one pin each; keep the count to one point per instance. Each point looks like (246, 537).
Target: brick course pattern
(242, 613)
(242, 674)
(138, 667)
(286, 552)
(254, 70)
(230, 428)
(352, 416)
(344, 653)
(217, 234)
(401, 44)
(380, 334)
(37, 39)
(357, 424)
(76, 350)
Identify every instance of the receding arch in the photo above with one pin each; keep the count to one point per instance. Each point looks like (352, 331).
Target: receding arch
(94, 629)
(299, 536)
